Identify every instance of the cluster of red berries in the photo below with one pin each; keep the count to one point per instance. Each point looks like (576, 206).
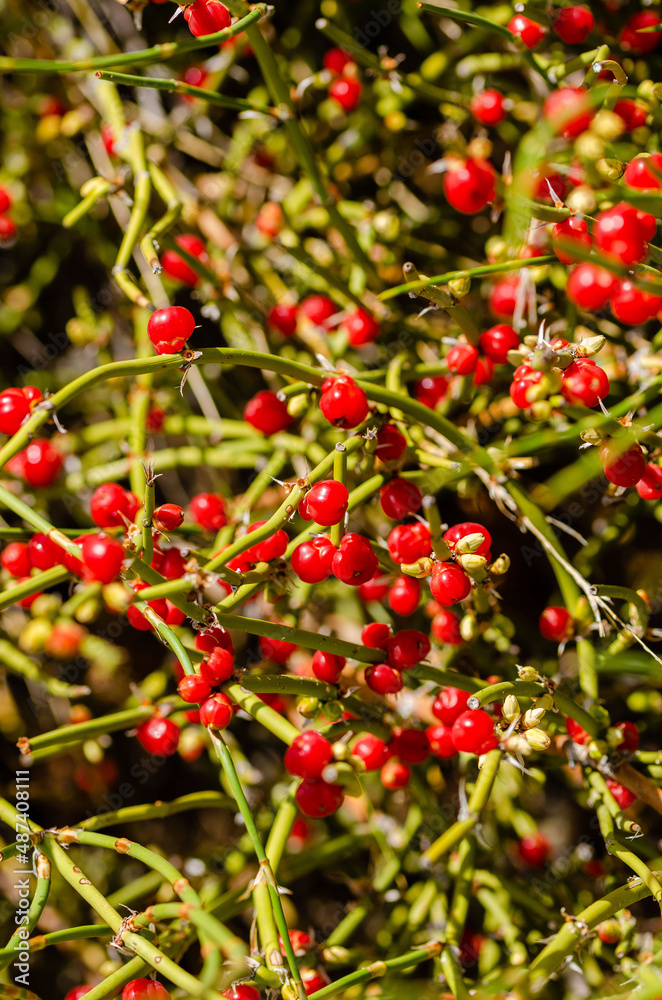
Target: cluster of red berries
(320, 313)
(345, 87)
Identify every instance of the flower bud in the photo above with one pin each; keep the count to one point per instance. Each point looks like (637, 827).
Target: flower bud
(309, 707)
(529, 674)
(500, 567)
(538, 739)
(596, 749)
(510, 710)
(459, 287)
(420, 569)
(532, 717)
(590, 346)
(610, 168)
(341, 751)
(469, 627)
(546, 702)
(581, 200)
(591, 436)
(473, 565)
(469, 544)
(333, 711)
(517, 357)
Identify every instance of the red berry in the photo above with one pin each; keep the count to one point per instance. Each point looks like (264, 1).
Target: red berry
(270, 220)
(574, 24)
(473, 732)
(469, 185)
(409, 542)
(212, 637)
(503, 296)
(208, 510)
(529, 32)
(277, 650)
(137, 618)
(43, 553)
(194, 689)
(318, 310)
(429, 391)
(440, 738)
(327, 667)
(390, 443)
(394, 775)
(406, 648)
(631, 37)
(314, 980)
(375, 589)
(111, 503)
(497, 341)
(346, 91)
(590, 286)
(649, 486)
(169, 329)
(400, 498)
(267, 413)
(312, 561)
(623, 468)
(556, 624)
(15, 559)
(411, 746)
(14, 408)
(619, 233)
(372, 751)
(102, 558)
(462, 359)
(630, 741)
(634, 115)
(173, 564)
(77, 992)
(376, 635)
(584, 382)
(284, 319)
(218, 666)
(40, 463)
(383, 679)
(205, 17)
(645, 172)
(534, 850)
(216, 712)
(173, 263)
(174, 615)
(449, 584)
(623, 795)
(354, 562)
(272, 547)
(487, 107)
(576, 732)
(361, 328)
(335, 60)
(242, 991)
(570, 236)
(459, 531)
(568, 111)
(343, 403)
(158, 736)
(445, 627)
(308, 755)
(8, 232)
(449, 704)
(632, 306)
(5, 204)
(327, 502)
(404, 595)
(318, 798)
(168, 517)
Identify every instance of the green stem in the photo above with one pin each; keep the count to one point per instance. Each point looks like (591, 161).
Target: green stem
(156, 54)
(177, 87)
(266, 873)
(477, 802)
(475, 272)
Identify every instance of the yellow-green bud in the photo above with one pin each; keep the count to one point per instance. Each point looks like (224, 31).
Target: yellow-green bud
(538, 739)
(511, 709)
